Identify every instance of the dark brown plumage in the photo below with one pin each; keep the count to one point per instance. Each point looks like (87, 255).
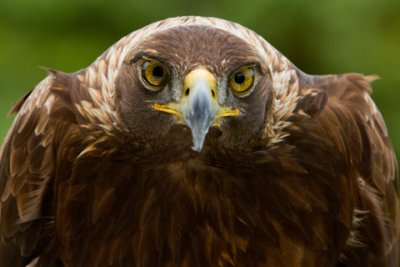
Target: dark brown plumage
(193, 142)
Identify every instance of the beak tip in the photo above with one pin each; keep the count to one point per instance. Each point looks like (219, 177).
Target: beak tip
(198, 141)
(196, 148)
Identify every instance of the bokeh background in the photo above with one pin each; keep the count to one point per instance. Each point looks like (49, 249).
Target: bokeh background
(321, 37)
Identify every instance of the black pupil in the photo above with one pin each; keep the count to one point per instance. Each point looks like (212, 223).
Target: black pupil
(158, 72)
(240, 78)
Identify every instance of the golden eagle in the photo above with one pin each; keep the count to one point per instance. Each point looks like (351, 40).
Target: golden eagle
(193, 142)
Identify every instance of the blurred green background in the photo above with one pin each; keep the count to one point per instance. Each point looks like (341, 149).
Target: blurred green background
(320, 37)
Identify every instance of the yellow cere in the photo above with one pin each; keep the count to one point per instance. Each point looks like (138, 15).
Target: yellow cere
(242, 79)
(198, 75)
(154, 73)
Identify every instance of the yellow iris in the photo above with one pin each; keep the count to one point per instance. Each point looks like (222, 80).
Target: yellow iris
(242, 79)
(154, 73)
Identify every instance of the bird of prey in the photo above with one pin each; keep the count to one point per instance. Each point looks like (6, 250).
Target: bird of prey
(193, 142)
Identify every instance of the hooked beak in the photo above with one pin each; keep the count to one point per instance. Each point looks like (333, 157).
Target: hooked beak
(198, 108)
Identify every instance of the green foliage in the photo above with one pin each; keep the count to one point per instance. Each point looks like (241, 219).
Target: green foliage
(318, 36)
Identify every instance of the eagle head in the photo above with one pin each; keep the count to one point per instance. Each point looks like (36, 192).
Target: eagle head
(179, 84)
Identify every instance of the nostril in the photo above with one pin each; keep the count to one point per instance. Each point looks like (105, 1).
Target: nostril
(213, 93)
(187, 92)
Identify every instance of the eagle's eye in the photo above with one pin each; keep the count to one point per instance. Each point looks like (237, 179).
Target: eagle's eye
(242, 80)
(154, 74)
